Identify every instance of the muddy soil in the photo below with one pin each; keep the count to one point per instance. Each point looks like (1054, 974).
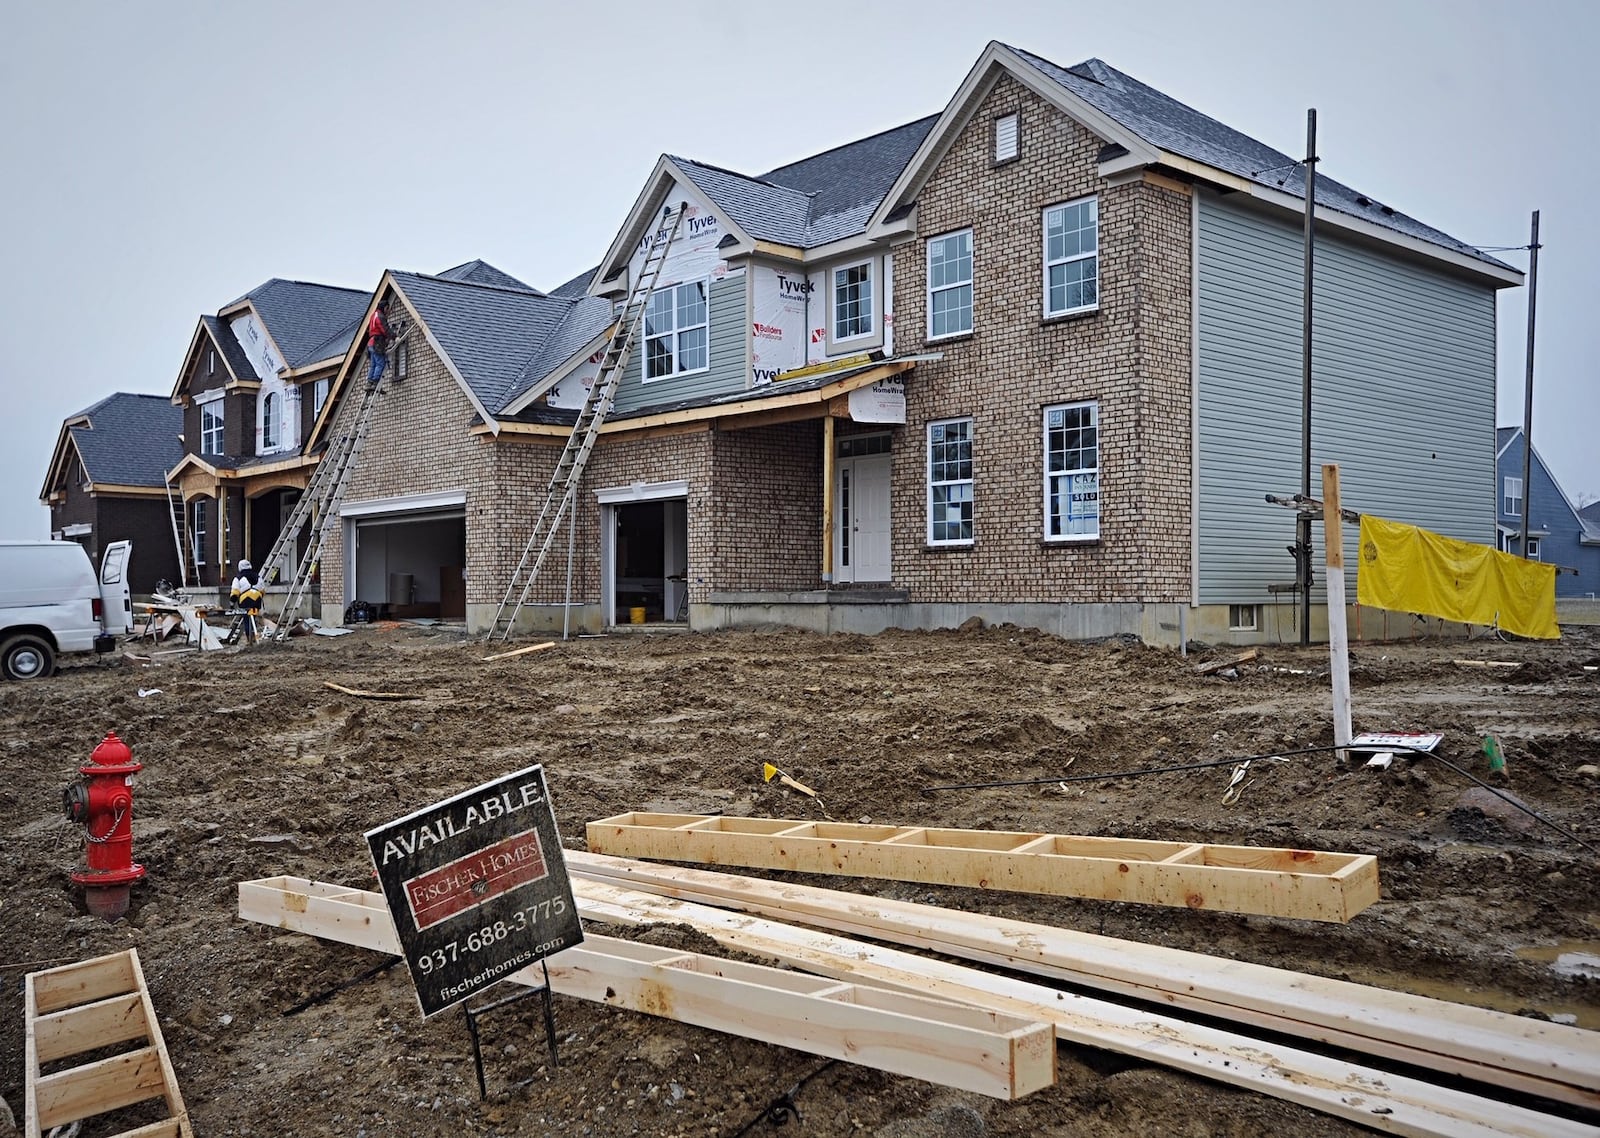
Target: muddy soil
(253, 767)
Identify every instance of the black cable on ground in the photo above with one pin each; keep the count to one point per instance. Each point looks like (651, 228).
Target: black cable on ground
(324, 996)
(781, 1109)
(1528, 810)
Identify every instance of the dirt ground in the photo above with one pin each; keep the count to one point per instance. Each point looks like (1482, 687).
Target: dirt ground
(253, 768)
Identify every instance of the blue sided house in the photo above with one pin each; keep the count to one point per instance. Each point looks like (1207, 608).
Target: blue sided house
(1557, 532)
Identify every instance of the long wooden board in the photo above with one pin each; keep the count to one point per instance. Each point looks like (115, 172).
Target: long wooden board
(1305, 884)
(1379, 1099)
(953, 1044)
(85, 1007)
(1511, 1052)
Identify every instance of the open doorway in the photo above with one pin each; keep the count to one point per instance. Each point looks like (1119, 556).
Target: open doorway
(411, 564)
(648, 578)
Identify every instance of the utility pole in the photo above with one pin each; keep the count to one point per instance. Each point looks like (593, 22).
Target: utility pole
(1527, 387)
(1303, 529)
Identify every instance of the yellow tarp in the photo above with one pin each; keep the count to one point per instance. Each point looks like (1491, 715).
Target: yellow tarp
(1412, 570)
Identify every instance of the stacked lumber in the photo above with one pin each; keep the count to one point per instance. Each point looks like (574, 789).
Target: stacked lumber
(1305, 884)
(91, 1007)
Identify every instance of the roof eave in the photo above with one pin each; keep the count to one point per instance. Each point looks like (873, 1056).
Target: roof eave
(545, 383)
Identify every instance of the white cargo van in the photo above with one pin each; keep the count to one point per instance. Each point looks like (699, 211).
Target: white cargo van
(50, 603)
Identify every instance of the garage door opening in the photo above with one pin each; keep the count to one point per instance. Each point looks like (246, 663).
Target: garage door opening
(412, 565)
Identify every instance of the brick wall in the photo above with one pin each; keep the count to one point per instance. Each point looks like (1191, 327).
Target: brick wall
(765, 529)
(1131, 356)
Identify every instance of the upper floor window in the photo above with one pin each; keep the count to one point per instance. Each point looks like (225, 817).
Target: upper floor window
(950, 284)
(211, 361)
(1071, 257)
(852, 301)
(319, 393)
(1005, 138)
(677, 331)
(1072, 471)
(211, 427)
(950, 482)
(270, 410)
(1513, 496)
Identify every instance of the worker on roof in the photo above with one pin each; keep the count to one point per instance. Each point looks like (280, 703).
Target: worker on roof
(246, 594)
(378, 342)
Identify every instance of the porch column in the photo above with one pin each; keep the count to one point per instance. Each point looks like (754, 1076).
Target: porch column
(827, 500)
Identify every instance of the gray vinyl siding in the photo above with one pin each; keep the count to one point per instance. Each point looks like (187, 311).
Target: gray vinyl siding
(1403, 391)
(728, 371)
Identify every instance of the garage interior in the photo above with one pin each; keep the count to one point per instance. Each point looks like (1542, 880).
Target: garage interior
(651, 568)
(412, 565)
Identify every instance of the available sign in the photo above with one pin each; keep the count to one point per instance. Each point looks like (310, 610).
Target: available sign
(477, 887)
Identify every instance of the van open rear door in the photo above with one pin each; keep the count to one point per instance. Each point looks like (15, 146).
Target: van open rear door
(116, 599)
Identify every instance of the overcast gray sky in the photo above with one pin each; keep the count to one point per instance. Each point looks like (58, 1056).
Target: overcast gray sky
(165, 156)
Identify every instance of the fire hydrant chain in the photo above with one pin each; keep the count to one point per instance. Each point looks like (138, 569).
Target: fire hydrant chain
(106, 837)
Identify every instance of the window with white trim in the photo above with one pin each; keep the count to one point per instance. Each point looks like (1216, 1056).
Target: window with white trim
(319, 393)
(1244, 618)
(1072, 257)
(677, 331)
(852, 301)
(211, 422)
(950, 284)
(1513, 496)
(1072, 472)
(270, 407)
(1533, 549)
(950, 482)
(197, 530)
(1005, 137)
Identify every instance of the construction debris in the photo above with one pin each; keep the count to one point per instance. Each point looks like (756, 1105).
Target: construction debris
(1229, 662)
(520, 651)
(368, 694)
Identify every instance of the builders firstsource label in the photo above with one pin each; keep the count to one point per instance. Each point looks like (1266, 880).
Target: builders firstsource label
(477, 886)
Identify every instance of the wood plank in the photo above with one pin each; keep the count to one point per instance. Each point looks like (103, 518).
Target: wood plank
(117, 1019)
(1227, 662)
(520, 651)
(169, 1077)
(1516, 1052)
(82, 983)
(368, 694)
(1301, 884)
(96, 1088)
(1356, 1093)
(949, 1043)
(1379, 1099)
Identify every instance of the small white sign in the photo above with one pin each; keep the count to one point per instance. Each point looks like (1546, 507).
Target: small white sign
(1384, 741)
(883, 402)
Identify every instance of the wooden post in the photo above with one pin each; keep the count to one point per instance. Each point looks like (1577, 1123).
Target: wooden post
(827, 500)
(1338, 641)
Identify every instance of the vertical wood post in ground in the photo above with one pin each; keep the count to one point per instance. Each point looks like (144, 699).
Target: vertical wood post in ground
(1338, 641)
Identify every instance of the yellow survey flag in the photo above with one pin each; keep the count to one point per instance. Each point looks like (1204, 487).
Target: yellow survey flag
(1413, 570)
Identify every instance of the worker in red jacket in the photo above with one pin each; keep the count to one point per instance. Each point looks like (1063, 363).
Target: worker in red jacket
(378, 342)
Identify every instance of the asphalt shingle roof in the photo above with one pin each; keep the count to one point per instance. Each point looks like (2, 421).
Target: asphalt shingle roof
(130, 440)
(493, 334)
(816, 200)
(1172, 126)
(577, 286)
(305, 319)
(482, 272)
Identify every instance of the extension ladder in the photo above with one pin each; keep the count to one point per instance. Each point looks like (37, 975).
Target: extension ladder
(179, 515)
(563, 488)
(319, 506)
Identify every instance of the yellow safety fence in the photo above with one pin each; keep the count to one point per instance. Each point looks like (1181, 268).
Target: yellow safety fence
(1407, 569)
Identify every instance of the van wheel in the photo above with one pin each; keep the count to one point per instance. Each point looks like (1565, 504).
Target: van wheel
(26, 658)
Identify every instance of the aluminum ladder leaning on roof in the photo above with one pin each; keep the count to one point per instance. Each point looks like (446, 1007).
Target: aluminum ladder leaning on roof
(563, 488)
(319, 505)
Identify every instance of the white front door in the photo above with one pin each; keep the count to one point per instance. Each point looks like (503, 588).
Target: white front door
(861, 519)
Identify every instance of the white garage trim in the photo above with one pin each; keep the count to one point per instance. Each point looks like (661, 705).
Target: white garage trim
(642, 492)
(407, 503)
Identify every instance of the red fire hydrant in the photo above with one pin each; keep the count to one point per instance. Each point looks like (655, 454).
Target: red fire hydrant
(103, 803)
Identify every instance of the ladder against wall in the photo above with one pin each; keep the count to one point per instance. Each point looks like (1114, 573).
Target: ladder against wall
(178, 512)
(564, 481)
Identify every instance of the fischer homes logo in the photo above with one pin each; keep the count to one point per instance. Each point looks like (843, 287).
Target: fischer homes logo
(767, 331)
(794, 286)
